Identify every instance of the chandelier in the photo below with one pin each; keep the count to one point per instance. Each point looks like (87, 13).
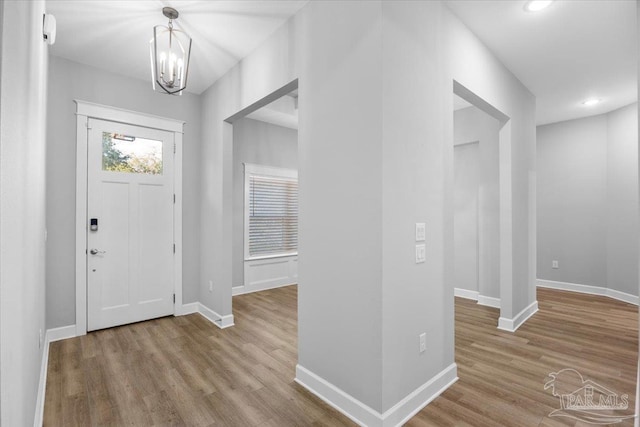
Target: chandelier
(170, 52)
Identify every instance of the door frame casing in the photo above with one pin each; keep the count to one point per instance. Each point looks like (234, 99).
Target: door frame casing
(84, 112)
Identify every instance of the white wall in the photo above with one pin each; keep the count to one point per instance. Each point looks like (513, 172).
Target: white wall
(466, 165)
(341, 197)
(22, 205)
(473, 124)
(68, 81)
(588, 202)
(622, 200)
(1, 115)
(375, 157)
(572, 200)
(258, 143)
(418, 183)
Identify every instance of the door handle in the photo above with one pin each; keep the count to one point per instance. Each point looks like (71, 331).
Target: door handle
(96, 252)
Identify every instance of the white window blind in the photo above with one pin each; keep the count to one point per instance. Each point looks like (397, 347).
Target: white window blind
(272, 214)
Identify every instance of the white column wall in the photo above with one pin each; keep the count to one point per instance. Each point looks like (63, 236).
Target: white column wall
(22, 208)
(375, 157)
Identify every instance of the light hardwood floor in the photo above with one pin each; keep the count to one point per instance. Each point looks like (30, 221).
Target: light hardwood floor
(502, 374)
(186, 371)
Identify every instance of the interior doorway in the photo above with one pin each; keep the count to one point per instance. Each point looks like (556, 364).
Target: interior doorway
(265, 197)
(479, 121)
(265, 192)
(476, 204)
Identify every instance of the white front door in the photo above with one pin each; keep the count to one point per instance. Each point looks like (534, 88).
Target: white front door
(130, 208)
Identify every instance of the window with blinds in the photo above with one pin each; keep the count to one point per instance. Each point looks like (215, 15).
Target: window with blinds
(272, 214)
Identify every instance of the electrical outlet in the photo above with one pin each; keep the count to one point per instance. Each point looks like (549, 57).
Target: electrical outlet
(421, 234)
(210, 285)
(421, 253)
(554, 264)
(423, 342)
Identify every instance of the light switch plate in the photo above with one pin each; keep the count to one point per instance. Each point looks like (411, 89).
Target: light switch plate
(421, 234)
(421, 253)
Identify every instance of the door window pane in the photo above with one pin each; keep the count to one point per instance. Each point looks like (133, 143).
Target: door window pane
(124, 153)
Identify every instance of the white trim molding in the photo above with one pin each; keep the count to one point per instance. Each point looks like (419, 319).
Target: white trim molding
(475, 295)
(220, 321)
(120, 115)
(364, 415)
(588, 289)
(465, 293)
(85, 111)
(511, 325)
(242, 289)
(489, 301)
(55, 334)
(415, 401)
(62, 333)
(42, 386)
(189, 308)
(348, 405)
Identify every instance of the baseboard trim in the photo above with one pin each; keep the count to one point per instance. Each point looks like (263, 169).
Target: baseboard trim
(622, 296)
(364, 415)
(62, 333)
(242, 289)
(475, 296)
(404, 410)
(55, 334)
(489, 301)
(189, 308)
(590, 290)
(42, 386)
(351, 407)
(511, 325)
(465, 293)
(221, 322)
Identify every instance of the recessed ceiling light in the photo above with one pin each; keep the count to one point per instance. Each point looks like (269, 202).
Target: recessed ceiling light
(537, 5)
(591, 102)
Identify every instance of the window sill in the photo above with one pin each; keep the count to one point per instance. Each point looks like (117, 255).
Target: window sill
(259, 257)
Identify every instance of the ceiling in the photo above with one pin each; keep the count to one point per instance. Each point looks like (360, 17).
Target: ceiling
(571, 51)
(282, 112)
(459, 103)
(113, 35)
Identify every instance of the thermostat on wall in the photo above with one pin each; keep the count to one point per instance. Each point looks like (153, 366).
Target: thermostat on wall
(49, 28)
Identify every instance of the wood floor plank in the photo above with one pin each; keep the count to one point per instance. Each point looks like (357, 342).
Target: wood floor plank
(186, 371)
